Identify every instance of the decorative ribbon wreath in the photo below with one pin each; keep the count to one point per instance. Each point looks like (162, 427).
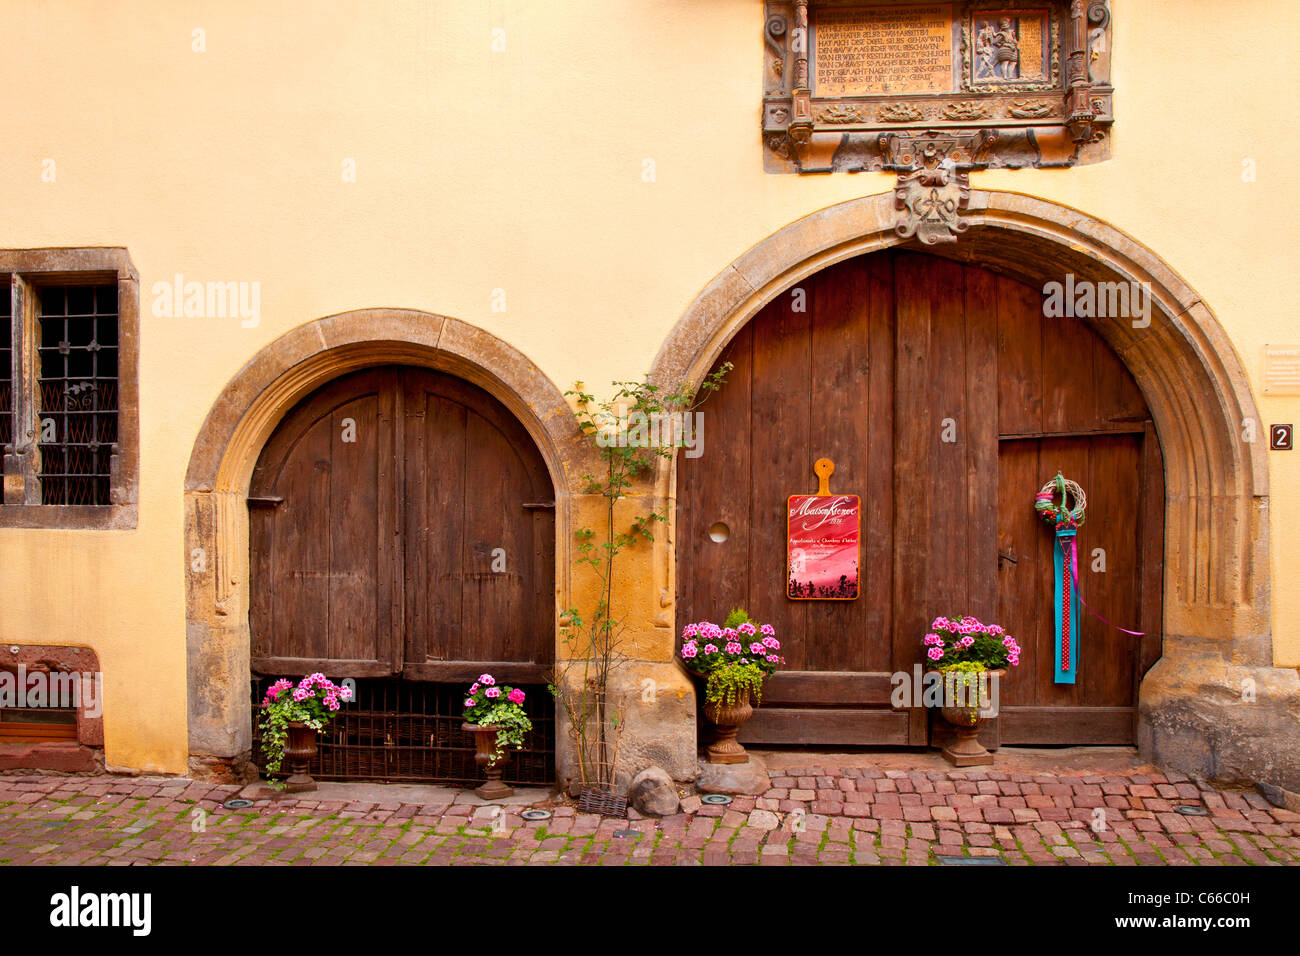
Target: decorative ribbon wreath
(1065, 519)
(1061, 516)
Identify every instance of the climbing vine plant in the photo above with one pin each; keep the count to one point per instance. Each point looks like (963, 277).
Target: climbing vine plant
(632, 430)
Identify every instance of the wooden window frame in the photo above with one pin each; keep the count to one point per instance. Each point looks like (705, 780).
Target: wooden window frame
(27, 271)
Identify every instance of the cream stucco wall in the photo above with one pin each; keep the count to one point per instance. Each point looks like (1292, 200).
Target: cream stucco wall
(522, 171)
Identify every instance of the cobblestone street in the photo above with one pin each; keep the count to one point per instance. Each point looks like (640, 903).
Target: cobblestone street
(812, 815)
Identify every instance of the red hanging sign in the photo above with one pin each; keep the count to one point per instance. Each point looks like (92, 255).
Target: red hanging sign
(823, 543)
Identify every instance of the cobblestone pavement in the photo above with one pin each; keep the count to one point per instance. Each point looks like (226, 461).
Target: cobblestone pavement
(812, 815)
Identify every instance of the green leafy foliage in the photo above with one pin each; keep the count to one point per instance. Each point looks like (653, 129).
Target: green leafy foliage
(313, 701)
(581, 685)
(503, 710)
(730, 683)
(734, 659)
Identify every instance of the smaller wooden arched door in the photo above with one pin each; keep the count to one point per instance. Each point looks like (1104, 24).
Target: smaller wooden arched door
(401, 522)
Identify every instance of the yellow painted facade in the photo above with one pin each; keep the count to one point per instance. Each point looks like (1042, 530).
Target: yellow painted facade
(571, 193)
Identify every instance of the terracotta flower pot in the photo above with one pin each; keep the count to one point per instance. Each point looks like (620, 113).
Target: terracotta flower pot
(728, 719)
(965, 716)
(299, 750)
(485, 746)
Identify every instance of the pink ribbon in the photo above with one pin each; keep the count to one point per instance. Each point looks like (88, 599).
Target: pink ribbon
(1074, 573)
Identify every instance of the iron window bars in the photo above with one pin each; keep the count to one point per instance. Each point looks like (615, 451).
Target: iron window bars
(403, 731)
(78, 397)
(69, 401)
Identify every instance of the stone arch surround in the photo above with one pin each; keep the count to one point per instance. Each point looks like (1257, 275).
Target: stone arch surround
(1196, 708)
(238, 425)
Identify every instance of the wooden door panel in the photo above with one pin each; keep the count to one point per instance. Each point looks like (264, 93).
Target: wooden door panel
(486, 560)
(842, 366)
(374, 556)
(909, 371)
(780, 413)
(435, 522)
(322, 580)
(717, 495)
(1101, 706)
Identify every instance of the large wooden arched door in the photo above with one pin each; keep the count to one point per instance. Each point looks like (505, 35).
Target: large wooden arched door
(946, 398)
(402, 523)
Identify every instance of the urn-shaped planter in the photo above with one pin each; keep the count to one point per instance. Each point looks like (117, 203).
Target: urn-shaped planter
(727, 719)
(966, 707)
(489, 763)
(299, 750)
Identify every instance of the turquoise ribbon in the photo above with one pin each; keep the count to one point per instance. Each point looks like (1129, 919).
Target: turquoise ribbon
(1062, 553)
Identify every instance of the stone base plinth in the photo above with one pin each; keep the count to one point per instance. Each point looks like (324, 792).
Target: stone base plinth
(748, 778)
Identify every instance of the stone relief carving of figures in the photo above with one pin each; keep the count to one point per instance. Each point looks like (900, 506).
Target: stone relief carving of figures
(997, 50)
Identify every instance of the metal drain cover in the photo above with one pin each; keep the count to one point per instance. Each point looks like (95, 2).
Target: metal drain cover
(237, 804)
(536, 814)
(971, 861)
(1188, 810)
(716, 799)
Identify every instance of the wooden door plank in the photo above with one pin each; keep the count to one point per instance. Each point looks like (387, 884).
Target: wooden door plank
(1069, 398)
(1108, 656)
(299, 582)
(1116, 396)
(1020, 359)
(352, 519)
(446, 625)
(1020, 610)
(915, 437)
(1077, 726)
(840, 429)
(878, 504)
(849, 727)
(781, 465)
(495, 518)
(981, 324)
(943, 477)
(797, 688)
(714, 489)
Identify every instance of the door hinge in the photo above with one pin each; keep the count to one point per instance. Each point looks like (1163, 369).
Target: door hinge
(265, 501)
(540, 505)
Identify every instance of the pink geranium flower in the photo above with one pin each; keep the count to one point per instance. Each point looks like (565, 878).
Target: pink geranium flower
(516, 696)
(756, 648)
(767, 629)
(494, 691)
(935, 653)
(469, 702)
(733, 647)
(487, 679)
(710, 648)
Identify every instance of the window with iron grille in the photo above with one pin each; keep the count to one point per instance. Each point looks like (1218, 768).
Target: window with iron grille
(68, 398)
(78, 392)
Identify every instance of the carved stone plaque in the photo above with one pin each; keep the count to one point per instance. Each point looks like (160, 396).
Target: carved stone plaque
(861, 85)
(869, 51)
(1010, 48)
